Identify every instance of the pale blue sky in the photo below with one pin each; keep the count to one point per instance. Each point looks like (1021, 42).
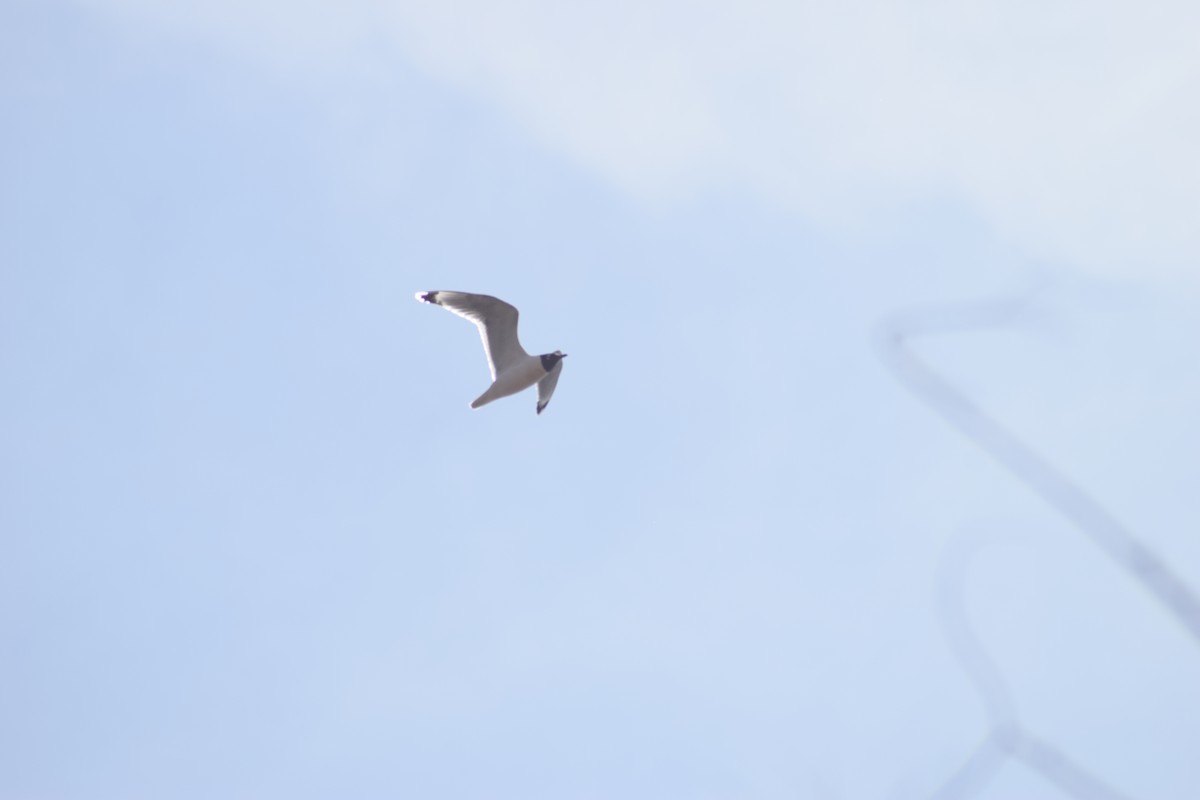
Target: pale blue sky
(256, 545)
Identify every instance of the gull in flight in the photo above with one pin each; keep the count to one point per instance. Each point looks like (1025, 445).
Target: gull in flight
(513, 370)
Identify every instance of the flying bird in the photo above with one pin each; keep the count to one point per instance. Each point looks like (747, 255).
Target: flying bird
(513, 370)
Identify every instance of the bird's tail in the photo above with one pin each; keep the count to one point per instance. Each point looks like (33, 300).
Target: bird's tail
(484, 398)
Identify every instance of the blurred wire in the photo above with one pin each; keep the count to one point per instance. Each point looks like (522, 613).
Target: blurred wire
(1006, 737)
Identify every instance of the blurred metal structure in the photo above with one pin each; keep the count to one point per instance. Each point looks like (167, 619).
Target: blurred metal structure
(1006, 737)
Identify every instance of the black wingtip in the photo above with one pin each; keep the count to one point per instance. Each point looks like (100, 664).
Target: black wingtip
(428, 297)
(541, 407)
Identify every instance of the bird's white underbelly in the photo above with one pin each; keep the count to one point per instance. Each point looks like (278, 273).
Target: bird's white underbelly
(516, 378)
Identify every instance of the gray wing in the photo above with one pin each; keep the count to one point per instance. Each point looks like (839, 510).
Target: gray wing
(496, 320)
(546, 386)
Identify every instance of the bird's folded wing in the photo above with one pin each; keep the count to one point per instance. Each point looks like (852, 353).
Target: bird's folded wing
(546, 386)
(496, 320)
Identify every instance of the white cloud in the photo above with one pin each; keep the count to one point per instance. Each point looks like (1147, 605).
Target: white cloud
(1069, 126)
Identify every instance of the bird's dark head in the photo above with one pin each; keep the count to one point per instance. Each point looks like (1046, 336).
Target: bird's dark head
(550, 359)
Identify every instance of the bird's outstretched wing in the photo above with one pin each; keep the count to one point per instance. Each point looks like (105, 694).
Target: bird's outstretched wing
(496, 320)
(546, 386)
